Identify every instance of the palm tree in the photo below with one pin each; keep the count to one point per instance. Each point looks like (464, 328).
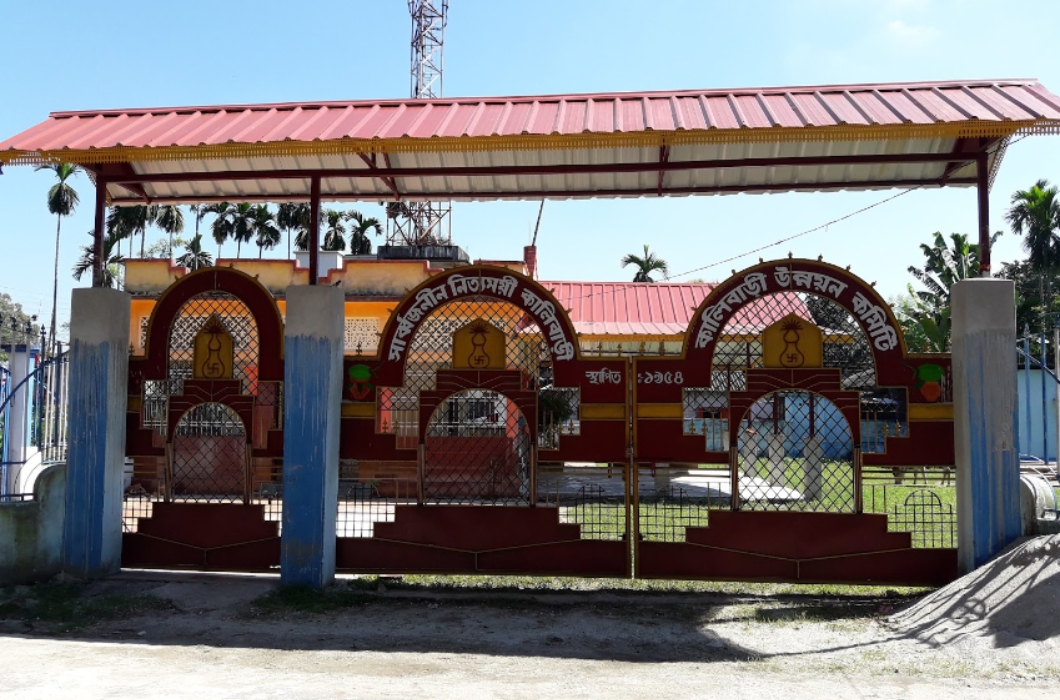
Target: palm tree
(334, 231)
(294, 217)
(359, 243)
(266, 233)
(194, 257)
(233, 221)
(171, 220)
(1036, 212)
(128, 222)
(219, 233)
(62, 201)
(113, 260)
(646, 265)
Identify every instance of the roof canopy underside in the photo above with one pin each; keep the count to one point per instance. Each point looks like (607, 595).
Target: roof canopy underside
(676, 143)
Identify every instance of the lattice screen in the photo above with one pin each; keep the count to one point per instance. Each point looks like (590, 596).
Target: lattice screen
(362, 335)
(431, 350)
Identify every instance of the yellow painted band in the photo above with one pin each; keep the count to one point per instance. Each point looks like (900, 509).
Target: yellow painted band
(358, 410)
(531, 142)
(661, 410)
(603, 411)
(133, 404)
(930, 411)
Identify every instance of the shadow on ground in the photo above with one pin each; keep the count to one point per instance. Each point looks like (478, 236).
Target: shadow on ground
(231, 611)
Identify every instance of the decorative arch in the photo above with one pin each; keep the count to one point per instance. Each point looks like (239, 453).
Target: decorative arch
(474, 280)
(872, 313)
(847, 403)
(240, 405)
(503, 382)
(215, 464)
(247, 289)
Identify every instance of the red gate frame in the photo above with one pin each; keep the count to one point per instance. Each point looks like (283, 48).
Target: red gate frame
(215, 536)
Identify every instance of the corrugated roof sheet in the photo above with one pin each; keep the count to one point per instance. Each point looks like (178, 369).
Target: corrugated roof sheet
(653, 309)
(549, 145)
(757, 108)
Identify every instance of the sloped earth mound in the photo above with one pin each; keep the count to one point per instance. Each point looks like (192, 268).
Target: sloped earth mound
(1013, 601)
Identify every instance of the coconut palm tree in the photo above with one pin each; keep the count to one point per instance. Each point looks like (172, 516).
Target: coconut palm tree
(112, 261)
(170, 219)
(646, 265)
(194, 257)
(62, 201)
(1035, 214)
(294, 217)
(359, 243)
(334, 231)
(263, 223)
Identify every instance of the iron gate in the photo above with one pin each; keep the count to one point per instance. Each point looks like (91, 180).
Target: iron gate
(206, 427)
(41, 437)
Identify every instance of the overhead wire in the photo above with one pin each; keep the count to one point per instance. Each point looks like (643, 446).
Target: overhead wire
(824, 226)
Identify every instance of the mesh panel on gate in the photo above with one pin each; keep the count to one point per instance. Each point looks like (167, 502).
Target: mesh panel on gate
(477, 450)
(796, 453)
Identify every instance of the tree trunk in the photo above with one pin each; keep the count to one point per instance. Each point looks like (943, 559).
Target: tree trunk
(55, 281)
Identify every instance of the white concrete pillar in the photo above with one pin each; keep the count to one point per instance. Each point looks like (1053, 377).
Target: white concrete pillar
(985, 418)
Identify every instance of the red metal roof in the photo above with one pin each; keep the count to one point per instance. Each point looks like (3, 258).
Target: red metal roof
(616, 144)
(654, 309)
(752, 108)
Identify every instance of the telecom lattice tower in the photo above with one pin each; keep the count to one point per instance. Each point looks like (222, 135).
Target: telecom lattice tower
(423, 223)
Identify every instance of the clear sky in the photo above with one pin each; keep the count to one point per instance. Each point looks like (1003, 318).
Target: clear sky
(76, 54)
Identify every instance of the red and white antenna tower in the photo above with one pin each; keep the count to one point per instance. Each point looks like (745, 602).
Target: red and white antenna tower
(424, 223)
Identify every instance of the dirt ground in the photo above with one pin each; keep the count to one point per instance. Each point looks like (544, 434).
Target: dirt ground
(205, 636)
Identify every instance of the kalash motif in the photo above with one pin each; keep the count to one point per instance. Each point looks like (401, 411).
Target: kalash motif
(791, 356)
(479, 357)
(214, 351)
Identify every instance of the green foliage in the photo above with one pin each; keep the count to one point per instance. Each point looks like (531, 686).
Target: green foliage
(235, 222)
(131, 221)
(12, 310)
(646, 265)
(296, 218)
(163, 248)
(113, 261)
(263, 224)
(55, 608)
(334, 231)
(62, 201)
(194, 257)
(553, 408)
(361, 225)
(925, 314)
(62, 197)
(1035, 215)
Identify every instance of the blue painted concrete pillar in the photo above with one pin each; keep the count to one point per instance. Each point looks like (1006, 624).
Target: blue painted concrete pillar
(99, 375)
(985, 418)
(313, 346)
